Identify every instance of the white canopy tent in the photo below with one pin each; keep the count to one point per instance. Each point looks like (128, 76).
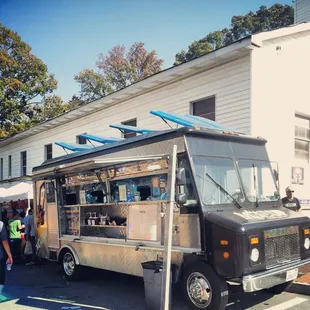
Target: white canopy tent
(19, 191)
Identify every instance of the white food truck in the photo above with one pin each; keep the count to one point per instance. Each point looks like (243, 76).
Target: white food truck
(105, 207)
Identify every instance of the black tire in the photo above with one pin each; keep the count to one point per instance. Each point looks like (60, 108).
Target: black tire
(195, 279)
(71, 270)
(278, 289)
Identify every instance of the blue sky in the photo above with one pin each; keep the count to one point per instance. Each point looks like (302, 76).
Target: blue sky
(69, 34)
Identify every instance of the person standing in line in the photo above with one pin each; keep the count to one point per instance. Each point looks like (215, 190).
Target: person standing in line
(290, 202)
(15, 226)
(30, 234)
(4, 249)
(5, 220)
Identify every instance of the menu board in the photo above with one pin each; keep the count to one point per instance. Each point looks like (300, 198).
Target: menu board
(122, 193)
(73, 221)
(138, 167)
(142, 222)
(50, 192)
(83, 178)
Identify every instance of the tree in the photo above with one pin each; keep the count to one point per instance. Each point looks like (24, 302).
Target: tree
(23, 77)
(265, 19)
(117, 70)
(75, 102)
(93, 85)
(50, 107)
(121, 70)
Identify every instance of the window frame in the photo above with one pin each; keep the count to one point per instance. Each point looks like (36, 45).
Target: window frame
(298, 151)
(1, 169)
(79, 141)
(127, 135)
(10, 166)
(193, 103)
(47, 152)
(23, 167)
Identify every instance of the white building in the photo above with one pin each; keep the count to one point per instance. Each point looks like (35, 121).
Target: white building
(302, 11)
(258, 85)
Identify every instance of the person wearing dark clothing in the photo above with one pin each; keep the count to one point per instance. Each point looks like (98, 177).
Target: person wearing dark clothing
(290, 202)
(5, 220)
(5, 254)
(31, 236)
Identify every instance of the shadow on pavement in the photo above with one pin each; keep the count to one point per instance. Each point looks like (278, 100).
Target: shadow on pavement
(243, 301)
(46, 288)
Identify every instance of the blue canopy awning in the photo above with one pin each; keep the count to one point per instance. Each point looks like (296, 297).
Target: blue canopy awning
(131, 129)
(210, 124)
(191, 121)
(73, 146)
(103, 140)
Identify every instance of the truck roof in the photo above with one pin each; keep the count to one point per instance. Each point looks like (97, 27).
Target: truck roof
(148, 138)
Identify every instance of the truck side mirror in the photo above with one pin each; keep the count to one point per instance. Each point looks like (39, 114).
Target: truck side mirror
(181, 176)
(181, 199)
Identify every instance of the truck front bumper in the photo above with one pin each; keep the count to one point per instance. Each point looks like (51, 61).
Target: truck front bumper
(272, 277)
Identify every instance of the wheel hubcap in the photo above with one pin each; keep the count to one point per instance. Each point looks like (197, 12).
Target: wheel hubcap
(199, 290)
(69, 264)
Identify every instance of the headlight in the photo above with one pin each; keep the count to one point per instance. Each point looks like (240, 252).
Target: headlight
(307, 243)
(255, 255)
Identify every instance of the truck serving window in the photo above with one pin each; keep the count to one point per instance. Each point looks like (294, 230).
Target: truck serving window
(258, 180)
(217, 179)
(153, 187)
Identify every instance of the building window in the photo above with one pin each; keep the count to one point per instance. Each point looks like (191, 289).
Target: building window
(204, 108)
(302, 137)
(10, 165)
(48, 151)
(81, 140)
(23, 163)
(1, 169)
(132, 122)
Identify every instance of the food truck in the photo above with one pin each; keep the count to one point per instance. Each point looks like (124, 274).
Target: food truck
(105, 207)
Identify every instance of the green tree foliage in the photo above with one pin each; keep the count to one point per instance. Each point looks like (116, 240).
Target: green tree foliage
(50, 107)
(265, 19)
(117, 70)
(23, 77)
(75, 102)
(93, 85)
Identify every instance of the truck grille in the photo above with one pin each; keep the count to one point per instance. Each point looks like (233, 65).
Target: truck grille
(281, 245)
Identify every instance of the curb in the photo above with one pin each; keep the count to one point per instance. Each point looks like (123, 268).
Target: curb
(299, 288)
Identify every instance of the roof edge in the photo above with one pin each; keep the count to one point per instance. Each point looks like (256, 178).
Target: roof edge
(170, 74)
(259, 38)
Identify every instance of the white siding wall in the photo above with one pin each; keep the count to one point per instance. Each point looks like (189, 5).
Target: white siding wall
(302, 11)
(280, 88)
(230, 83)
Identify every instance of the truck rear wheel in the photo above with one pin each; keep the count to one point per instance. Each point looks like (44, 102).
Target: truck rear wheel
(72, 271)
(203, 288)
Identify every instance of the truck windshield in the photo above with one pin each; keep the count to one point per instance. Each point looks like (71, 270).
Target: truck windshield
(223, 172)
(265, 188)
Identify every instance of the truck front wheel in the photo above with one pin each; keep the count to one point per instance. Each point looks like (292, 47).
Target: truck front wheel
(203, 288)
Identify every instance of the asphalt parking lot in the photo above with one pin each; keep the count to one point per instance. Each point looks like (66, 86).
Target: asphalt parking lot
(45, 288)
